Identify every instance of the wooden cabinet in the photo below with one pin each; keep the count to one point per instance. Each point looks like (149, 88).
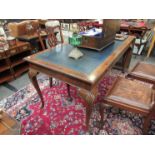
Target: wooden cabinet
(12, 63)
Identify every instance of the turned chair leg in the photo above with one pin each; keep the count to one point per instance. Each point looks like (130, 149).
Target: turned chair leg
(146, 125)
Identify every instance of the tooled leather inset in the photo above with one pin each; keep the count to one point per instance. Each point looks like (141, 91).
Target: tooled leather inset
(132, 93)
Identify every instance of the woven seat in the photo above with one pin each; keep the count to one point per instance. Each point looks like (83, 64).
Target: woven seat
(144, 72)
(134, 96)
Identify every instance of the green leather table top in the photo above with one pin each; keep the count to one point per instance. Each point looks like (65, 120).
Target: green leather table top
(86, 64)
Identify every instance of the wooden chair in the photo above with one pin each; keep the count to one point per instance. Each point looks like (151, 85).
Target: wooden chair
(51, 37)
(134, 96)
(141, 41)
(143, 71)
(52, 41)
(151, 46)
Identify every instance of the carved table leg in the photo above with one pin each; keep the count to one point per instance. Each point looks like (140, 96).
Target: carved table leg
(33, 77)
(51, 81)
(68, 91)
(89, 97)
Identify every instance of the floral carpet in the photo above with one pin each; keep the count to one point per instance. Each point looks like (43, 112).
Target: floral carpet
(61, 116)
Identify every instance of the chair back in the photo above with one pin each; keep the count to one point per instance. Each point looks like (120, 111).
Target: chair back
(40, 39)
(52, 33)
(52, 40)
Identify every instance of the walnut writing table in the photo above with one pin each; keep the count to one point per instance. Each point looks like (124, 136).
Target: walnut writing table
(84, 73)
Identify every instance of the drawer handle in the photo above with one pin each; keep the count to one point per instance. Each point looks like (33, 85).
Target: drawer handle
(25, 47)
(13, 51)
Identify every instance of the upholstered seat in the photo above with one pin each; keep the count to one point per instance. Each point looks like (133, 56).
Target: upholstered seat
(134, 96)
(144, 72)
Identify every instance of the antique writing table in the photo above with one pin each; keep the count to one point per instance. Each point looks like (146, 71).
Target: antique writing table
(84, 73)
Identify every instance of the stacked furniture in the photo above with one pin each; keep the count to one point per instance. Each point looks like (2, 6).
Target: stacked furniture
(11, 61)
(27, 31)
(141, 31)
(23, 28)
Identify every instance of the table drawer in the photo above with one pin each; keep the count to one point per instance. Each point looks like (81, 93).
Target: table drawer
(12, 52)
(2, 55)
(24, 48)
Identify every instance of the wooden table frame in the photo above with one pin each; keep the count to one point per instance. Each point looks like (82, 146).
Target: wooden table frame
(87, 84)
(33, 37)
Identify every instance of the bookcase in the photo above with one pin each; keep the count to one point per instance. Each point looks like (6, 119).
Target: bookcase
(12, 63)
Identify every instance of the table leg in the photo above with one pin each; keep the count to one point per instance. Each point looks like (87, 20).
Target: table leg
(68, 91)
(33, 77)
(89, 97)
(126, 59)
(51, 81)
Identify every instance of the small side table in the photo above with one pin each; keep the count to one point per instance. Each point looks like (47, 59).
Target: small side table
(9, 126)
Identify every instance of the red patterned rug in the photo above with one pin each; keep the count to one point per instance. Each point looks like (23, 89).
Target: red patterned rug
(60, 116)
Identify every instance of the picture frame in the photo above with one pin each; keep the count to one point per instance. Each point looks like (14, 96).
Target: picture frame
(65, 26)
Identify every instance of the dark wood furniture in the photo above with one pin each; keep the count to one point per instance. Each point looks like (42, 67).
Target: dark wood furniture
(17, 29)
(12, 63)
(142, 42)
(143, 71)
(79, 73)
(51, 36)
(9, 126)
(105, 38)
(27, 31)
(137, 28)
(134, 96)
(140, 30)
(29, 37)
(33, 39)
